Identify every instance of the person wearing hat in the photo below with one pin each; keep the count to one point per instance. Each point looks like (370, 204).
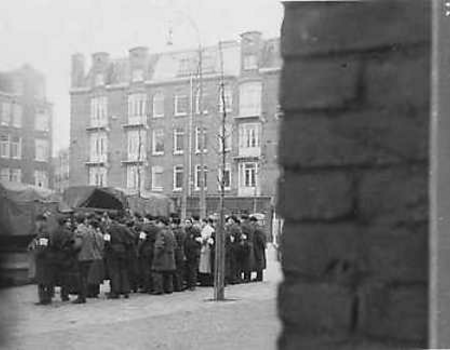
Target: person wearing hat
(192, 247)
(259, 248)
(164, 266)
(146, 246)
(40, 247)
(180, 257)
(247, 257)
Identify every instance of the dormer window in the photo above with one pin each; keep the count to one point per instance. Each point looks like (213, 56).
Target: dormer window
(250, 62)
(99, 79)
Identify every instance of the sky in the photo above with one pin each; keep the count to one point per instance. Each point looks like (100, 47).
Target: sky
(45, 33)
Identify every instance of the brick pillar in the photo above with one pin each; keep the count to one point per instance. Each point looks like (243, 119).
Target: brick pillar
(354, 190)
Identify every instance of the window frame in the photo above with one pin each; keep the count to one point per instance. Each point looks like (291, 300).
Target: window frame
(7, 145)
(158, 97)
(197, 177)
(175, 172)
(176, 132)
(157, 169)
(154, 144)
(177, 97)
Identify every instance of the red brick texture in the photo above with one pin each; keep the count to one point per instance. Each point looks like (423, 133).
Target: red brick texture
(353, 149)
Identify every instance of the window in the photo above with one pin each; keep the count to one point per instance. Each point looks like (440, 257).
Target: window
(41, 122)
(248, 174)
(16, 147)
(158, 142)
(178, 141)
(17, 115)
(203, 102)
(136, 108)
(185, 66)
(249, 135)
(228, 136)
(137, 75)
(250, 99)
(42, 152)
(41, 178)
(178, 177)
(136, 145)
(181, 105)
(227, 178)
(208, 63)
(98, 147)
(4, 146)
(228, 99)
(198, 176)
(4, 174)
(158, 105)
(6, 113)
(97, 176)
(99, 111)
(157, 178)
(99, 79)
(200, 140)
(16, 175)
(135, 177)
(250, 62)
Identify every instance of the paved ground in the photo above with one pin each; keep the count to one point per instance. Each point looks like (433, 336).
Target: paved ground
(185, 320)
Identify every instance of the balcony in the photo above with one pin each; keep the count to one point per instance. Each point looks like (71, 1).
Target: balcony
(133, 159)
(249, 152)
(99, 126)
(136, 122)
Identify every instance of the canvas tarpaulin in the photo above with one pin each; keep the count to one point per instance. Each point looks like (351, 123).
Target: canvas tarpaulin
(20, 203)
(113, 198)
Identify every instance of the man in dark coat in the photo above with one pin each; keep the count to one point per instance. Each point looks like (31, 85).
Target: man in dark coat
(180, 258)
(43, 255)
(192, 247)
(118, 242)
(163, 266)
(259, 247)
(64, 257)
(146, 247)
(232, 250)
(247, 257)
(134, 227)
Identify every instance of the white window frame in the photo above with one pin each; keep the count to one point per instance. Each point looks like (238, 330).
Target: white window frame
(178, 132)
(99, 79)
(98, 176)
(98, 147)
(41, 176)
(137, 108)
(160, 171)
(245, 139)
(99, 111)
(242, 175)
(250, 99)
(176, 101)
(17, 115)
(133, 145)
(250, 62)
(196, 176)
(197, 102)
(5, 174)
(19, 148)
(219, 176)
(5, 146)
(158, 98)
(6, 113)
(42, 120)
(228, 138)
(133, 172)
(176, 170)
(39, 157)
(197, 140)
(16, 172)
(155, 134)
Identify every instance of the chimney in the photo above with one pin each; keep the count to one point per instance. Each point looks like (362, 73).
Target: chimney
(100, 61)
(77, 73)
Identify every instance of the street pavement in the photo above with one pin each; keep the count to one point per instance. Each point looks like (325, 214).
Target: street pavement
(188, 320)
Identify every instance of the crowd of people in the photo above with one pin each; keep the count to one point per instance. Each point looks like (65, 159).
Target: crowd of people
(146, 254)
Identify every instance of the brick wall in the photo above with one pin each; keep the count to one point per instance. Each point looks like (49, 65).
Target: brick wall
(354, 154)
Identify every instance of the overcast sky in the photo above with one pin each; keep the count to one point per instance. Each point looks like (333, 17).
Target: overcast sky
(44, 33)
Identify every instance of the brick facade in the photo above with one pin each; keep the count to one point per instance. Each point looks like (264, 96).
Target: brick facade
(22, 101)
(160, 77)
(354, 190)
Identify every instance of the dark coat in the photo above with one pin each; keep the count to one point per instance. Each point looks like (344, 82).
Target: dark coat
(121, 241)
(248, 257)
(43, 258)
(259, 247)
(146, 246)
(191, 246)
(180, 236)
(64, 255)
(165, 246)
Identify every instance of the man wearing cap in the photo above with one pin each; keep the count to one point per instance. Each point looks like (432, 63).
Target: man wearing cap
(146, 246)
(247, 252)
(192, 247)
(41, 248)
(163, 266)
(259, 247)
(180, 257)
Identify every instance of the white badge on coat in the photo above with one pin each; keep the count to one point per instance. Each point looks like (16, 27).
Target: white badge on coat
(107, 237)
(43, 241)
(142, 235)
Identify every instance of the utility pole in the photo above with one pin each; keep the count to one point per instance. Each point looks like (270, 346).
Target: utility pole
(219, 266)
(202, 135)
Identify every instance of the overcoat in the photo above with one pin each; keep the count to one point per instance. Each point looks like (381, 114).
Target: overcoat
(259, 247)
(164, 256)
